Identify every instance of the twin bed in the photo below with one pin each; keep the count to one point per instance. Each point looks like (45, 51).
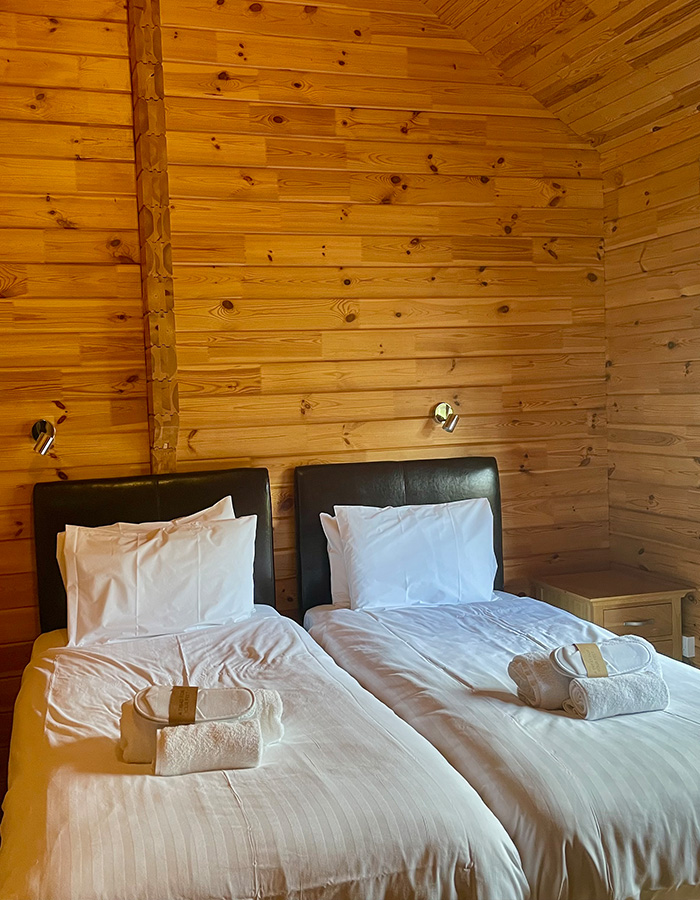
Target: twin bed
(607, 809)
(459, 792)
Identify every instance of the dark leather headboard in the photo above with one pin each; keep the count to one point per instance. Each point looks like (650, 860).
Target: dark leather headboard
(148, 498)
(320, 488)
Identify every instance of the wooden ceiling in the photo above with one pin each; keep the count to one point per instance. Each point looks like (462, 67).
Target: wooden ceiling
(610, 69)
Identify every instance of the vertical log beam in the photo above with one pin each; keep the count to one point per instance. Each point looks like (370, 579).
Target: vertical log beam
(154, 231)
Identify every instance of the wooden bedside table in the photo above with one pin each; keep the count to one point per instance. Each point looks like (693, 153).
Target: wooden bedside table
(622, 600)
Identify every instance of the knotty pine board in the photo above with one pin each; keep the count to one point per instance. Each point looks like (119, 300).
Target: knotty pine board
(626, 76)
(342, 261)
(71, 331)
(653, 337)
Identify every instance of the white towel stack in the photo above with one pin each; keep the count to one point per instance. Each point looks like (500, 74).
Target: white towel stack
(558, 679)
(230, 730)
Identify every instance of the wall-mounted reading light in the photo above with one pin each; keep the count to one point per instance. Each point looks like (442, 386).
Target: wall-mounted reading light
(444, 415)
(43, 435)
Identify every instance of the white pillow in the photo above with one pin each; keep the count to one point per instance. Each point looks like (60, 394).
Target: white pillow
(405, 555)
(123, 585)
(223, 509)
(339, 579)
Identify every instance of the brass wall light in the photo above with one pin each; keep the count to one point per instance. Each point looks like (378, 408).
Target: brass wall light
(444, 415)
(43, 435)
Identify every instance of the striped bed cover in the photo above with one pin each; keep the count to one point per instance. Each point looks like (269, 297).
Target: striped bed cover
(353, 803)
(605, 810)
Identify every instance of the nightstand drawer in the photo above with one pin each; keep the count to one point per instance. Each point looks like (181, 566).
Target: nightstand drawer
(650, 620)
(665, 647)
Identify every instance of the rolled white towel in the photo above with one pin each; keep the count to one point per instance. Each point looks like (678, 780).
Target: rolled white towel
(539, 683)
(208, 746)
(600, 698)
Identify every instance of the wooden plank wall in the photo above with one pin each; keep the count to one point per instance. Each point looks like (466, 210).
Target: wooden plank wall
(627, 76)
(71, 334)
(652, 205)
(367, 220)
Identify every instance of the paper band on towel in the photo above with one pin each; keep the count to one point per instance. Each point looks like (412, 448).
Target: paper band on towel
(593, 660)
(183, 705)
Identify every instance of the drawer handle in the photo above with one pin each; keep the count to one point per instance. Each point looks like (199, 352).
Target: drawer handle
(637, 623)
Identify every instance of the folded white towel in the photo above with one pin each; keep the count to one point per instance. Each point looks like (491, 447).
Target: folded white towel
(543, 678)
(539, 683)
(146, 714)
(206, 746)
(599, 698)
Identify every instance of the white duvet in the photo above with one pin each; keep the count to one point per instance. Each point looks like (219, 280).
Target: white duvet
(597, 810)
(351, 804)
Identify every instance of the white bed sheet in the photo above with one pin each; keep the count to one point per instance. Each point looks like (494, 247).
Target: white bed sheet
(597, 810)
(351, 804)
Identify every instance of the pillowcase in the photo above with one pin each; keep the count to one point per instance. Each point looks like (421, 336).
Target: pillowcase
(134, 583)
(223, 509)
(406, 555)
(340, 592)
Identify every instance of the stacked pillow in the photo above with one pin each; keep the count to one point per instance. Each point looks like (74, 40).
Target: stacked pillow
(125, 581)
(408, 555)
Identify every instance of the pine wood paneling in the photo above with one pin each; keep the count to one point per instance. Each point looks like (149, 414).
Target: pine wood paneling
(653, 332)
(625, 76)
(71, 331)
(652, 182)
(366, 216)
(365, 222)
